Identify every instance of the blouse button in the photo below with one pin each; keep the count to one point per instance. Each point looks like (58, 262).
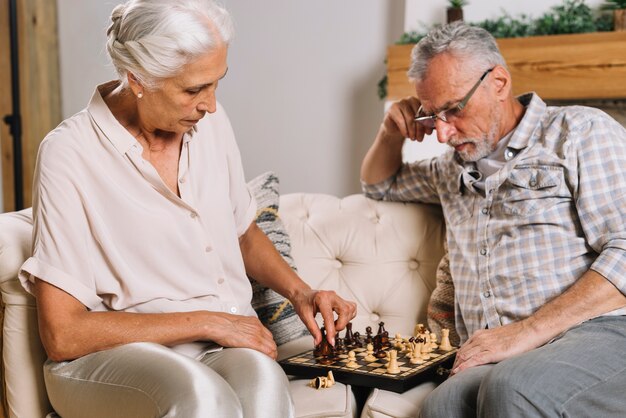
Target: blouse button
(233, 310)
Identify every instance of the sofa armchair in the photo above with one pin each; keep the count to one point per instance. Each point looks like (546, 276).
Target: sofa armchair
(382, 255)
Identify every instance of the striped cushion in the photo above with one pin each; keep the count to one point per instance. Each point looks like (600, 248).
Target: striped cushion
(274, 311)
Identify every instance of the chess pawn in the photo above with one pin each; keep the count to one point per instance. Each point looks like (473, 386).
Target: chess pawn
(427, 341)
(433, 341)
(408, 346)
(352, 360)
(393, 362)
(398, 342)
(357, 340)
(340, 346)
(445, 340)
(368, 333)
(370, 353)
(349, 337)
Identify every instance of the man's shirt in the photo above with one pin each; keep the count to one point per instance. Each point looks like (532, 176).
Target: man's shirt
(556, 209)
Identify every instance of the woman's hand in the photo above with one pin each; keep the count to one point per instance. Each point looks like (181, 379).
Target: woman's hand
(309, 302)
(241, 331)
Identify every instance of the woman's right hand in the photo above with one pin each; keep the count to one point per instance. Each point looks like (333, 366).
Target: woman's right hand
(230, 330)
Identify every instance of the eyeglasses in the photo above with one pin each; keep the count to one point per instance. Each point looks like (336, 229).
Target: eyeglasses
(429, 120)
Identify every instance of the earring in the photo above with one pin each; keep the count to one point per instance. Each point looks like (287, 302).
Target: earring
(140, 95)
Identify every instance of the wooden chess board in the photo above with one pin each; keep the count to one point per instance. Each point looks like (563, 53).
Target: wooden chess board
(372, 374)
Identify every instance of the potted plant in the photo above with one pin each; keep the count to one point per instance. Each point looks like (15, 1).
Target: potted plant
(455, 10)
(619, 13)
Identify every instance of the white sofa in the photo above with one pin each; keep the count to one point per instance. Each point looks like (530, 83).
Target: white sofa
(381, 255)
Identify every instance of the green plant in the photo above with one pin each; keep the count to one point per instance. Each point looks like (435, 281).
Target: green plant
(614, 4)
(457, 4)
(573, 16)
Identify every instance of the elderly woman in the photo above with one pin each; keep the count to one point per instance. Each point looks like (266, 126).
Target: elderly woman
(144, 235)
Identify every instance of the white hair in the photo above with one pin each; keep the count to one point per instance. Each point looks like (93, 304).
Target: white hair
(474, 45)
(154, 39)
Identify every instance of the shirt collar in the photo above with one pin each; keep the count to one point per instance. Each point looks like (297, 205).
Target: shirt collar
(535, 109)
(119, 137)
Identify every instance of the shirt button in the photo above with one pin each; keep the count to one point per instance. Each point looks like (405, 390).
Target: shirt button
(508, 154)
(483, 251)
(485, 211)
(193, 215)
(533, 182)
(221, 281)
(487, 294)
(182, 180)
(233, 310)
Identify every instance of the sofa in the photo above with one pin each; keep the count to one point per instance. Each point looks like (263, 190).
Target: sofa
(382, 255)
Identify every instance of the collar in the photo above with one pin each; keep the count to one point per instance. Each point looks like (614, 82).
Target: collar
(119, 137)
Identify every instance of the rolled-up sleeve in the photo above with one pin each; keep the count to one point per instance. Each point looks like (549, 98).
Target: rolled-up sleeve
(601, 197)
(413, 182)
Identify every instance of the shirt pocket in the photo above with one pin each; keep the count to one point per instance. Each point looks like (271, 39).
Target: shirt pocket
(460, 209)
(532, 189)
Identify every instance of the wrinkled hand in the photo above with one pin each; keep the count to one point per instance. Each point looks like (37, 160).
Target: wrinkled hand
(308, 303)
(399, 121)
(497, 344)
(243, 332)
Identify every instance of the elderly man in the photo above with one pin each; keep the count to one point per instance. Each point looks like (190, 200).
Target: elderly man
(534, 199)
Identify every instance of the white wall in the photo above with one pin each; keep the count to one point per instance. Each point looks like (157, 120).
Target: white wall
(422, 14)
(301, 87)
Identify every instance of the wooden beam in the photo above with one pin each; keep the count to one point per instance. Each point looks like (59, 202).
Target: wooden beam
(557, 67)
(6, 145)
(39, 87)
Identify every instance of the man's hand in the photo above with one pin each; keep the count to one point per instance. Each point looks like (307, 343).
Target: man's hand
(242, 331)
(399, 121)
(309, 302)
(494, 345)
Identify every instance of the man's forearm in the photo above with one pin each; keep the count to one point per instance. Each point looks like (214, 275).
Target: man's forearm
(592, 295)
(383, 159)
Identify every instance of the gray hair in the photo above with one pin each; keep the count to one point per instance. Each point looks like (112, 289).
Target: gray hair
(154, 39)
(474, 45)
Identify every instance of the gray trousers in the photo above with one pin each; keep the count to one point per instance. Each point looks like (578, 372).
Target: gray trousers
(149, 380)
(581, 374)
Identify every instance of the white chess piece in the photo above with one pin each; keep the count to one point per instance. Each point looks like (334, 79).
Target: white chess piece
(445, 340)
(393, 362)
(352, 360)
(416, 357)
(370, 354)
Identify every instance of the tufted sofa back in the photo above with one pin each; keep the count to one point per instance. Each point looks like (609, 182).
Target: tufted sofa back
(382, 255)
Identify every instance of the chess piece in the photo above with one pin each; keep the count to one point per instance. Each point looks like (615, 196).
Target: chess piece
(322, 382)
(323, 349)
(349, 337)
(352, 360)
(445, 340)
(433, 341)
(381, 328)
(393, 362)
(424, 349)
(357, 343)
(340, 346)
(398, 342)
(419, 329)
(370, 353)
(368, 333)
(416, 356)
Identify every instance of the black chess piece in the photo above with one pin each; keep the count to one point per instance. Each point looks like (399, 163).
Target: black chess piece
(323, 349)
(340, 346)
(381, 328)
(349, 337)
(357, 340)
(384, 339)
(368, 338)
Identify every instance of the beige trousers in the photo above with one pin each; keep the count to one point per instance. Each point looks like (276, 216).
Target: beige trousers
(149, 380)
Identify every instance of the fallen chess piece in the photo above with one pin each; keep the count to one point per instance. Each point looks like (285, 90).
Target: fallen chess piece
(322, 382)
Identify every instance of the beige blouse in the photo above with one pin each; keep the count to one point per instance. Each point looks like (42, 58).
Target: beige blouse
(109, 232)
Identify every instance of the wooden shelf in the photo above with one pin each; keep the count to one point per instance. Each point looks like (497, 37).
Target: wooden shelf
(557, 67)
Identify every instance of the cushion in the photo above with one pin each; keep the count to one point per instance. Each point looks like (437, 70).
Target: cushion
(274, 311)
(441, 303)
(385, 404)
(336, 401)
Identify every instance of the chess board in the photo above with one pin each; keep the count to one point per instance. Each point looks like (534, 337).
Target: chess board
(372, 374)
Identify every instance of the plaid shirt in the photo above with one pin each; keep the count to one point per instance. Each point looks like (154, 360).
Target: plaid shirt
(555, 210)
